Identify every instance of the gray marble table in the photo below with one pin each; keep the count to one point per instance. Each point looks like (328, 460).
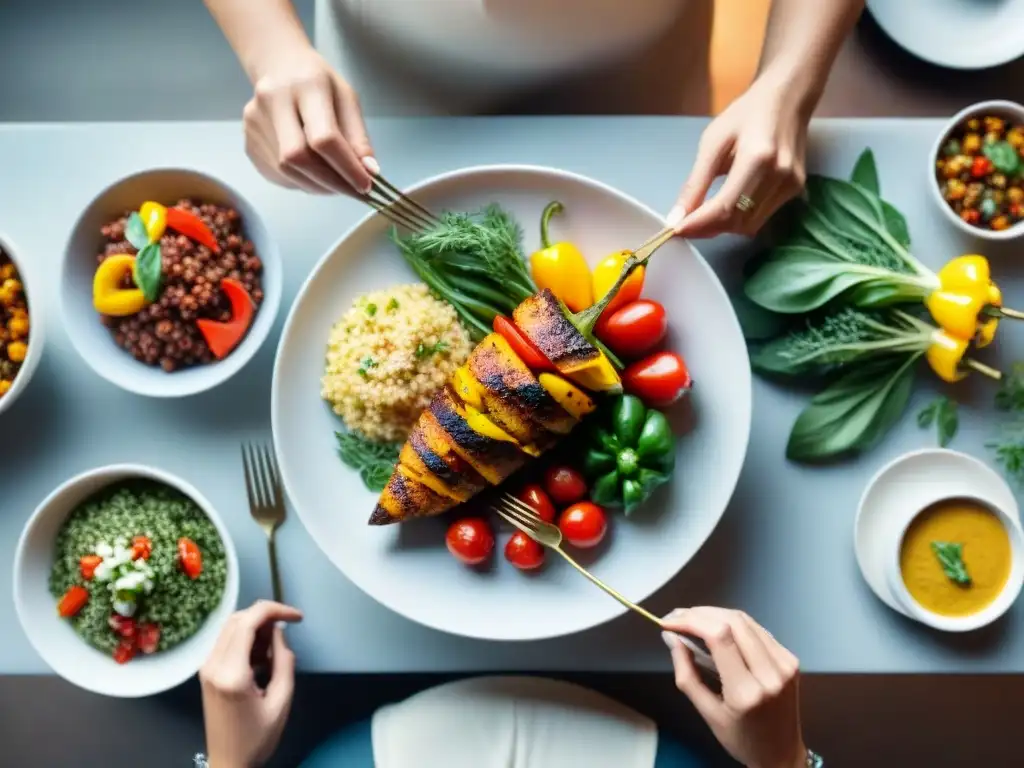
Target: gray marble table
(784, 549)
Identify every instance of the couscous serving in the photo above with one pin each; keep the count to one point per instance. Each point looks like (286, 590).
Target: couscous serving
(137, 569)
(387, 356)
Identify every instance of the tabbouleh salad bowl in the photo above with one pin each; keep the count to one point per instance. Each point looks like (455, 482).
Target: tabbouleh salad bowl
(56, 640)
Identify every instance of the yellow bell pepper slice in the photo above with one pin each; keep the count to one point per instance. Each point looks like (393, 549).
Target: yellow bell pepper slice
(607, 272)
(467, 388)
(945, 355)
(987, 330)
(970, 272)
(573, 399)
(561, 267)
(108, 297)
(154, 217)
(597, 375)
(958, 312)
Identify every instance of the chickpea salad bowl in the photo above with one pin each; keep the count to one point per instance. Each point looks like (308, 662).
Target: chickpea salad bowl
(21, 338)
(170, 283)
(123, 577)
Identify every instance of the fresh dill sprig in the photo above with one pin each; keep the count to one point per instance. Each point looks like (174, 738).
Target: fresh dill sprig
(374, 461)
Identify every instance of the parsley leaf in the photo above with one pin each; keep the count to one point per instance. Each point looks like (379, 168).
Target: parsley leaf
(944, 414)
(426, 350)
(950, 556)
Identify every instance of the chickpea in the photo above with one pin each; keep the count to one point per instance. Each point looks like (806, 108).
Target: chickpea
(1015, 195)
(12, 284)
(994, 124)
(1015, 137)
(998, 223)
(955, 189)
(5, 387)
(972, 143)
(974, 124)
(16, 351)
(18, 326)
(6, 272)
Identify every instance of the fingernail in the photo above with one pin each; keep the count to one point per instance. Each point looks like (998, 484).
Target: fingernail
(371, 164)
(675, 613)
(670, 640)
(282, 625)
(675, 217)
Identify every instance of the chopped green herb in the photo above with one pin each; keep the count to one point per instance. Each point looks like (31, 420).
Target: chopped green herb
(371, 309)
(950, 556)
(362, 372)
(369, 362)
(426, 350)
(392, 304)
(374, 461)
(943, 413)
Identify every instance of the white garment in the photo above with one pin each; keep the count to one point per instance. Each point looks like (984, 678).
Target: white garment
(457, 56)
(512, 722)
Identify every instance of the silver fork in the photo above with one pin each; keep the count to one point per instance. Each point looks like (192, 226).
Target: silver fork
(390, 201)
(523, 517)
(266, 500)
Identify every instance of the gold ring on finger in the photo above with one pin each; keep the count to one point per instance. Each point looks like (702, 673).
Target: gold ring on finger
(744, 204)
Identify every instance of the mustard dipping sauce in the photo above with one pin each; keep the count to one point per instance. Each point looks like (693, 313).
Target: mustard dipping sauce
(986, 555)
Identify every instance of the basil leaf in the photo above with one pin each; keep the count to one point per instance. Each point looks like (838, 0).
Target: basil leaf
(950, 557)
(853, 413)
(135, 231)
(800, 279)
(948, 422)
(926, 416)
(815, 225)
(865, 172)
(1003, 156)
(148, 274)
(852, 209)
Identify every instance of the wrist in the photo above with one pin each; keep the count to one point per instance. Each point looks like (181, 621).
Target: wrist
(798, 85)
(268, 60)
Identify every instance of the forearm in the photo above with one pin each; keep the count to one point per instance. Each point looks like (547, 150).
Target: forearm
(803, 39)
(260, 31)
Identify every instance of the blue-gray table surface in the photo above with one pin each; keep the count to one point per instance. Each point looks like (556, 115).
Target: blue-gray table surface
(783, 551)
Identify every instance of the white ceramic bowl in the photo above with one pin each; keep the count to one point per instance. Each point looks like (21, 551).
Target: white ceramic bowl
(93, 340)
(54, 639)
(1008, 109)
(500, 603)
(895, 496)
(993, 610)
(37, 336)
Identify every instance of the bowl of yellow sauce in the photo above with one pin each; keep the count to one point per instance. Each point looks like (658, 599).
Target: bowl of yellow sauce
(958, 564)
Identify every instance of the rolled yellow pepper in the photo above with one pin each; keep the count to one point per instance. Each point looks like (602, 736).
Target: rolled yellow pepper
(947, 357)
(968, 304)
(561, 267)
(154, 217)
(108, 297)
(970, 272)
(958, 312)
(607, 272)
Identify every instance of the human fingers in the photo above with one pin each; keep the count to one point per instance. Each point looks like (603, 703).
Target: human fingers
(688, 679)
(260, 150)
(718, 635)
(711, 162)
(350, 114)
(755, 653)
(250, 620)
(294, 154)
(322, 124)
(785, 660)
(722, 212)
(282, 681)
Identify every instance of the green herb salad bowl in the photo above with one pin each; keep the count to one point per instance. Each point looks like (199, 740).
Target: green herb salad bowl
(95, 342)
(56, 640)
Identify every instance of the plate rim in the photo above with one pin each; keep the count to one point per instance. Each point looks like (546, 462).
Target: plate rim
(928, 55)
(615, 609)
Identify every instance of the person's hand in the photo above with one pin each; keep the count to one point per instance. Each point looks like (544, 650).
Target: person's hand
(758, 142)
(757, 717)
(244, 722)
(304, 128)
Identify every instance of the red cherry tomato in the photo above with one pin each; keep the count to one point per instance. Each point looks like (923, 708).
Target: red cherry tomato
(124, 652)
(123, 626)
(141, 547)
(88, 564)
(565, 484)
(535, 498)
(523, 552)
(635, 329)
(470, 540)
(583, 524)
(659, 380)
(535, 359)
(190, 558)
(73, 601)
(148, 638)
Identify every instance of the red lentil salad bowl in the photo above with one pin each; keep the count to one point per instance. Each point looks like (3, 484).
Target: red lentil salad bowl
(170, 284)
(977, 167)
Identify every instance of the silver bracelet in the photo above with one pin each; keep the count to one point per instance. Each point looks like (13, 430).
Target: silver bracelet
(199, 760)
(814, 760)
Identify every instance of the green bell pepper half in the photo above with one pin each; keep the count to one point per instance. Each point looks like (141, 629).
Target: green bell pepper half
(629, 453)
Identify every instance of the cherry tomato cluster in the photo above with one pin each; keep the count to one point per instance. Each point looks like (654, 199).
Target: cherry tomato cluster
(634, 332)
(583, 524)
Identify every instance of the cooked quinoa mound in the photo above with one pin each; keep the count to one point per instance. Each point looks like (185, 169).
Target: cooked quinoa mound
(388, 355)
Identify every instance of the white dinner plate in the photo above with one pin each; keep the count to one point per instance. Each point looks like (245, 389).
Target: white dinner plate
(406, 567)
(960, 34)
(904, 487)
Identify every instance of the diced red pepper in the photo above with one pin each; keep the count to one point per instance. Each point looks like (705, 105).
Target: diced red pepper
(191, 226)
(148, 638)
(88, 564)
(73, 601)
(971, 215)
(123, 626)
(141, 547)
(221, 338)
(124, 652)
(981, 167)
(190, 558)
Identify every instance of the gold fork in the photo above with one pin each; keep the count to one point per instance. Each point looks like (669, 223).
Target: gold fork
(266, 500)
(523, 517)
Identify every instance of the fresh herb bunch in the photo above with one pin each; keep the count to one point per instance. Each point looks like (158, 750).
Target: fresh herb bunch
(374, 461)
(1009, 445)
(943, 413)
(819, 305)
(474, 262)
